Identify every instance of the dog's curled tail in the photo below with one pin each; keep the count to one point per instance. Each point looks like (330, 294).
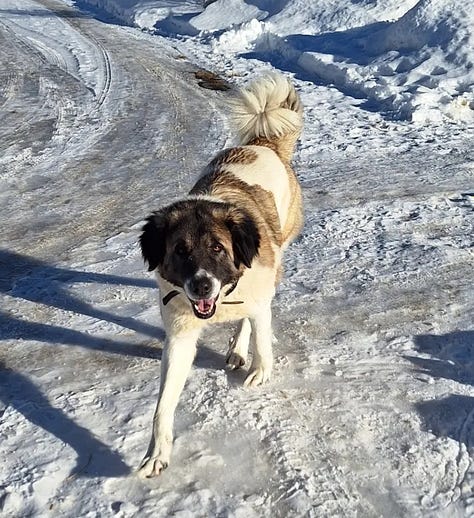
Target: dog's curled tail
(269, 112)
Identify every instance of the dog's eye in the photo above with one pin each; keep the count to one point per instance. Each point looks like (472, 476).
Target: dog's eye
(180, 250)
(217, 248)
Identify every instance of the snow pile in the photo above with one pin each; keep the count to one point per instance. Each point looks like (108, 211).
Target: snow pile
(145, 13)
(431, 48)
(223, 14)
(418, 67)
(407, 60)
(303, 17)
(238, 40)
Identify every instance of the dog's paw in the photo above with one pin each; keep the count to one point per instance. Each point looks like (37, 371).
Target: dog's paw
(237, 354)
(234, 360)
(151, 467)
(257, 376)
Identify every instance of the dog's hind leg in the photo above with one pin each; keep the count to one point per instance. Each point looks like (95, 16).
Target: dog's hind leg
(178, 356)
(262, 362)
(239, 345)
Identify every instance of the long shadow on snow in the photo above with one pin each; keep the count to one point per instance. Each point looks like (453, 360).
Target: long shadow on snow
(31, 279)
(271, 6)
(45, 13)
(347, 44)
(16, 329)
(174, 25)
(452, 358)
(94, 458)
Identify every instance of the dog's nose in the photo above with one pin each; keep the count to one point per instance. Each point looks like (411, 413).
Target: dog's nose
(201, 286)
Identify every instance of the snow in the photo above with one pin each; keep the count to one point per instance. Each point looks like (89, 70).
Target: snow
(370, 410)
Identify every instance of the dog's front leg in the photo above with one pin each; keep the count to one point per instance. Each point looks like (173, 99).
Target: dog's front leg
(239, 345)
(178, 356)
(262, 362)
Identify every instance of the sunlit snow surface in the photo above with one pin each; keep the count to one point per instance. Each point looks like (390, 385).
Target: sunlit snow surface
(371, 408)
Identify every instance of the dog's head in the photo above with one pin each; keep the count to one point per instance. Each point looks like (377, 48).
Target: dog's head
(200, 246)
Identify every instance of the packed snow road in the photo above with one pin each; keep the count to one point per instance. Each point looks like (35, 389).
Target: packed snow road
(88, 106)
(371, 409)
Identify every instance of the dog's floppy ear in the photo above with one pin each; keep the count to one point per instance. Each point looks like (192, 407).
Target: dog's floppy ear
(245, 237)
(153, 239)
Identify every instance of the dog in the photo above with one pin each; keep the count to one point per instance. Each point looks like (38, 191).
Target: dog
(217, 252)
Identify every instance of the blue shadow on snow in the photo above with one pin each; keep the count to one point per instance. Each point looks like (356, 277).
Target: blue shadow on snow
(94, 458)
(452, 357)
(30, 279)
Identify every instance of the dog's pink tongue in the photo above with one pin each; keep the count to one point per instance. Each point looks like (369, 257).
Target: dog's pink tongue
(205, 305)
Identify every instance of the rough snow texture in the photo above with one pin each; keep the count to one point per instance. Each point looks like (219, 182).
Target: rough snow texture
(371, 409)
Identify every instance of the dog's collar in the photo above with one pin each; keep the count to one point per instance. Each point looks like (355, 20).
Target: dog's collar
(232, 288)
(172, 294)
(229, 291)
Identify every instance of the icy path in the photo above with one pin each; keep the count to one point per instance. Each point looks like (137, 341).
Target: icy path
(371, 410)
(86, 110)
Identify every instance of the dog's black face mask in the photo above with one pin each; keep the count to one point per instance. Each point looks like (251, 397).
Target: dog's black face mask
(200, 246)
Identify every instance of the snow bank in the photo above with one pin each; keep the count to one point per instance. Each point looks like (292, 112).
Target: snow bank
(431, 48)
(407, 60)
(146, 13)
(240, 39)
(223, 14)
(418, 67)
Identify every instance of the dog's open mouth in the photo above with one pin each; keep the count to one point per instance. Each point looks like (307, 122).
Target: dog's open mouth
(204, 308)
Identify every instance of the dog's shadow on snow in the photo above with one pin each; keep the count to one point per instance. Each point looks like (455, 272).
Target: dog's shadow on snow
(451, 356)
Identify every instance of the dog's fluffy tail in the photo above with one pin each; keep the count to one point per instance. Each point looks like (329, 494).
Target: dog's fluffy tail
(269, 112)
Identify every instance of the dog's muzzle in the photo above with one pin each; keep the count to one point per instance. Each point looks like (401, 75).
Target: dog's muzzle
(203, 291)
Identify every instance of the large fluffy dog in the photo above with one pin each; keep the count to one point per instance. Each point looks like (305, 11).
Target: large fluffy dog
(217, 252)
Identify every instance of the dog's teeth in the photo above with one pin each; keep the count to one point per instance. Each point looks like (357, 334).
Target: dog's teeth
(208, 312)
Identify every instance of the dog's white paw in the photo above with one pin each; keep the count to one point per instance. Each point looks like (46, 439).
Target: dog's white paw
(151, 467)
(257, 376)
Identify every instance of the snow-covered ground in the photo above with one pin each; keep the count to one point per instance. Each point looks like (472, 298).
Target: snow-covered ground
(371, 408)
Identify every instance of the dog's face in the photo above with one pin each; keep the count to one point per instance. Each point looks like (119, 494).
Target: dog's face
(200, 246)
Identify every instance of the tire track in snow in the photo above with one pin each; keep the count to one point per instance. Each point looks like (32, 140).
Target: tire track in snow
(63, 100)
(89, 49)
(9, 87)
(105, 87)
(181, 123)
(15, 79)
(116, 99)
